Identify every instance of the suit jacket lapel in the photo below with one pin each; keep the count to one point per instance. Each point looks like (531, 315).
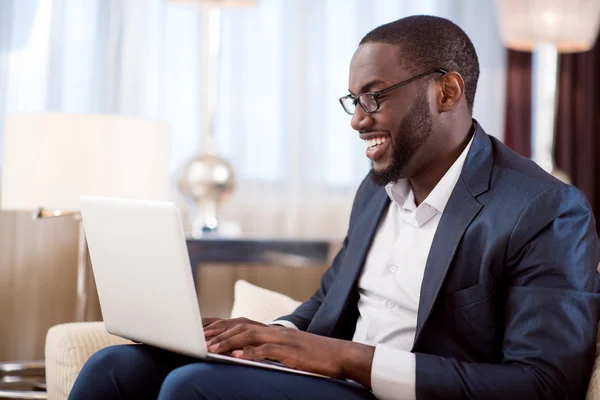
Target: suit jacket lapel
(461, 209)
(336, 301)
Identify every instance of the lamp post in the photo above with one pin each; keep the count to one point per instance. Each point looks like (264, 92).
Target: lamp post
(547, 28)
(208, 179)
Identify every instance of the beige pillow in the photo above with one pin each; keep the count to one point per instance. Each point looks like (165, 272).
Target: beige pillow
(259, 304)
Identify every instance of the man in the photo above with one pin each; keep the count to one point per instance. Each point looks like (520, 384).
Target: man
(466, 272)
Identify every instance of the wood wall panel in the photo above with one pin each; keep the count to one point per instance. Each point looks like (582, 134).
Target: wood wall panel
(37, 281)
(215, 283)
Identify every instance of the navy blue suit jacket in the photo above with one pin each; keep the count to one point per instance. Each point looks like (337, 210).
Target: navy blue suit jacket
(509, 305)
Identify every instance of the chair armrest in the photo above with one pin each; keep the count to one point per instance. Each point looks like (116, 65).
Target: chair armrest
(68, 346)
(593, 392)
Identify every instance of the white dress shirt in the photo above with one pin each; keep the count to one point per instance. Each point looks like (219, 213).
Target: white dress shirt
(390, 283)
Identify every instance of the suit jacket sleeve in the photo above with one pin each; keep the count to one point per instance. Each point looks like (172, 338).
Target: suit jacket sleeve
(551, 311)
(303, 315)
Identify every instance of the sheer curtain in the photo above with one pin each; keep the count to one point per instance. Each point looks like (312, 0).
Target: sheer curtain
(284, 64)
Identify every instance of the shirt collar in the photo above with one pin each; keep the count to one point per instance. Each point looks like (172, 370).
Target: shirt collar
(440, 194)
(400, 192)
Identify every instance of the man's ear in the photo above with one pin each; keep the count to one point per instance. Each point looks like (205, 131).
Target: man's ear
(450, 91)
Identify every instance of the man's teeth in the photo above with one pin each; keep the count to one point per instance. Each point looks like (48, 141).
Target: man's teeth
(376, 141)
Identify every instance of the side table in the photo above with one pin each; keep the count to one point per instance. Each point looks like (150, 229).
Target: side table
(262, 251)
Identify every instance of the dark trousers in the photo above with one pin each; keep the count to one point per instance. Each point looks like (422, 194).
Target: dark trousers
(143, 372)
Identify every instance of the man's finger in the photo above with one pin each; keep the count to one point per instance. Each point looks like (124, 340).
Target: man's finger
(227, 334)
(242, 350)
(212, 332)
(220, 324)
(209, 320)
(268, 351)
(240, 337)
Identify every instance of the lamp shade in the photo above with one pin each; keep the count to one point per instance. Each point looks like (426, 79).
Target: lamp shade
(571, 25)
(217, 3)
(50, 159)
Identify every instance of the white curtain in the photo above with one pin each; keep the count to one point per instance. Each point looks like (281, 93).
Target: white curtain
(283, 66)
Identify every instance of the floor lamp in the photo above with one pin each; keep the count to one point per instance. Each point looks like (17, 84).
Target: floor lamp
(208, 178)
(50, 159)
(547, 28)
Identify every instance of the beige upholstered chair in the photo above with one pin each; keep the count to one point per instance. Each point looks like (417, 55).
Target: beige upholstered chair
(68, 346)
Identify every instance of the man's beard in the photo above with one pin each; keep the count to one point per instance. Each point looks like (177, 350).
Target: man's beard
(413, 132)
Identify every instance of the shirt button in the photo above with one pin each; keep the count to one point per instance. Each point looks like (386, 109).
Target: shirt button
(390, 304)
(394, 269)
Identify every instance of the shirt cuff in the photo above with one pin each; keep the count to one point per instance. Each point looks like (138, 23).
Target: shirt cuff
(393, 374)
(283, 322)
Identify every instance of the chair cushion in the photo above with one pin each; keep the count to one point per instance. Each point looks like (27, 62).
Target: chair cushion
(68, 346)
(260, 304)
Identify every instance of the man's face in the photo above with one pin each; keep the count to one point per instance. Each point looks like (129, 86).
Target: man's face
(394, 134)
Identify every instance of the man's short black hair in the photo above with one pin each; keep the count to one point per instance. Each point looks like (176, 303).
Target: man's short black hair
(428, 42)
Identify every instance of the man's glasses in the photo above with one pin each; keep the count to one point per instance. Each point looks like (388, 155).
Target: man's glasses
(370, 101)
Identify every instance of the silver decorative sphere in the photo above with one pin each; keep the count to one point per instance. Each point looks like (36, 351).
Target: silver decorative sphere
(207, 180)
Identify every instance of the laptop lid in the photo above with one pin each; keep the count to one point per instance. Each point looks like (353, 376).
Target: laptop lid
(143, 274)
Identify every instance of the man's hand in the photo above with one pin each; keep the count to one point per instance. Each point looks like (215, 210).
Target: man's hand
(216, 326)
(297, 349)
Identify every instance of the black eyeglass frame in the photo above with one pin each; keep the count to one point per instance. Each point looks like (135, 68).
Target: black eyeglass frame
(379, 93)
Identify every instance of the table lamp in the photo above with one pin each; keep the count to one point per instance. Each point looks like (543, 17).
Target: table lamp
(547, 28)
(50, 159)
(208, 178)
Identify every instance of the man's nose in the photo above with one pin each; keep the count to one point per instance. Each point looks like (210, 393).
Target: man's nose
(361, 120)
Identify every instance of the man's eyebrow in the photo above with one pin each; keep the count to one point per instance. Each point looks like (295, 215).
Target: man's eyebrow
(368, 86)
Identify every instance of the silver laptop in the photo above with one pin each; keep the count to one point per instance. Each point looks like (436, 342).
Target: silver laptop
(144, 277)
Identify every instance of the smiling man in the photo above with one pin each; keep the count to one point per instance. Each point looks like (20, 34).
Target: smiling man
(466, 272)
